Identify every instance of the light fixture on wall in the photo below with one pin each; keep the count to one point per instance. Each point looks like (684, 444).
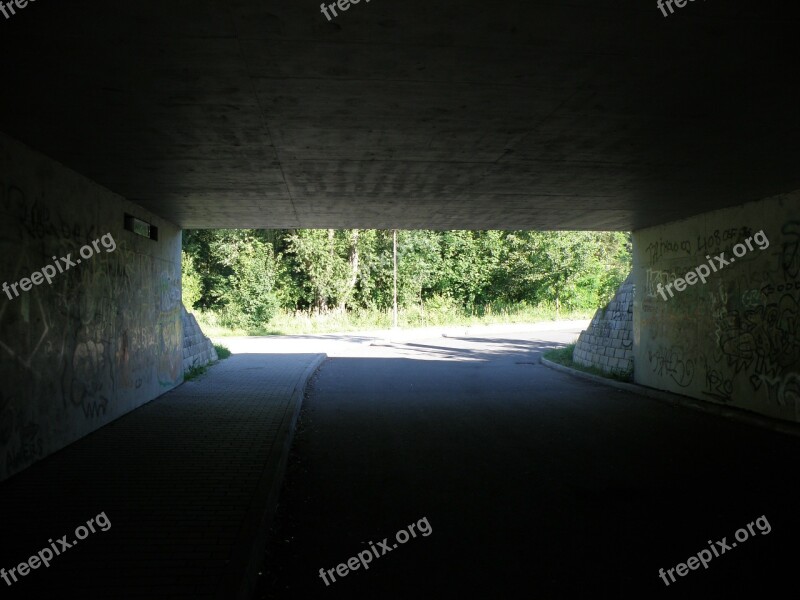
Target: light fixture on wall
(140, 227)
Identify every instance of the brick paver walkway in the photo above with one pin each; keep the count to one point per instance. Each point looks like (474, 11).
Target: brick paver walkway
(186, 482)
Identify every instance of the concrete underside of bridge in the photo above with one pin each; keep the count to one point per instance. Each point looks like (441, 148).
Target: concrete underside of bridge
(590, 114)
(519, 115)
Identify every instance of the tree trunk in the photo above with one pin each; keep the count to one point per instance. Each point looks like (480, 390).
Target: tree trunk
(353, 259)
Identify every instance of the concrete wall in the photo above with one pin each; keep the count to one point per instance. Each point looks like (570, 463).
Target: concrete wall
(106, 336)
(607, 344)
(736, 339)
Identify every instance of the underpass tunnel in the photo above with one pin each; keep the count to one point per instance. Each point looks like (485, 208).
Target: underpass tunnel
(123, 124)
(103, 334)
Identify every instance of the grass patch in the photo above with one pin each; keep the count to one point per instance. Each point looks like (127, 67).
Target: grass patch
(430, 315)
(563, 356)
(222, 351)
(195, 372)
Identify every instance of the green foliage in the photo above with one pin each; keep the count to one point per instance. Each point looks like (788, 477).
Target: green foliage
(258, 281)
(557, 267)
(328, 260)
(192, 288)
(469, 262)
(194, 372)
(561, 356)
(222, 351)
(253, 271)
(237, 272)
(618, 251)
(201, 246)
(446, 313)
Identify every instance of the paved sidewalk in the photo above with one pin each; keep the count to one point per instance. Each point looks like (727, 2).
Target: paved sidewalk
(188, 483)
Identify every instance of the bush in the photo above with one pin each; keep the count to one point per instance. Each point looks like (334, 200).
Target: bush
(192, 284)
(253, 281)
(252, 302)
(222, 351)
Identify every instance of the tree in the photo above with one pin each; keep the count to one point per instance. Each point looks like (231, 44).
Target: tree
(192, 286)
(247, 275)
(469, 262)
(329, 259)
(252, 301)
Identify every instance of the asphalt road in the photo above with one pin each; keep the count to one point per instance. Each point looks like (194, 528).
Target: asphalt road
(529, 483)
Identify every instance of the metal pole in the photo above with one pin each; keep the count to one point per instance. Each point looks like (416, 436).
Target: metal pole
(394, 243)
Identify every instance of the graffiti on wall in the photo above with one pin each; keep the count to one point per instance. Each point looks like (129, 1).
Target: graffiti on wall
(96, 335)
(736, 338)
(764, 343)
(674, 363)
(717, 240)
(717, 385)
(660, 248)
(654, 277)
(720, 240)
(29, 449)
(38, 221)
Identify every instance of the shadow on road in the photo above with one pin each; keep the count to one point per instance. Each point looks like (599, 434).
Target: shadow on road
(535, 484)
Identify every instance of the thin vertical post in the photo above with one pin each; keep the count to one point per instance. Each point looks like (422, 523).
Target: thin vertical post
(394, 244)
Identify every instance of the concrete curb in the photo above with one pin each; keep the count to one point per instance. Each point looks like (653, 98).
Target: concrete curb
(242, 576)
(734, 414)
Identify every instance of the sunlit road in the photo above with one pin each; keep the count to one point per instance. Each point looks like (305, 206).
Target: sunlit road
(535, 484)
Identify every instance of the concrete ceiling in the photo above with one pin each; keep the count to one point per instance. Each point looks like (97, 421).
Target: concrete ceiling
(415, 114)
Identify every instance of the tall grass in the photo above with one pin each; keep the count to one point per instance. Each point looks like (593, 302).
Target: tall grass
(433, 315)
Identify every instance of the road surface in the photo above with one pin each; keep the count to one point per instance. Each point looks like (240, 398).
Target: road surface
(529, 483)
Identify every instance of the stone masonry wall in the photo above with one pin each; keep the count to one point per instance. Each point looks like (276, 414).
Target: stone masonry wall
(197, 348)
(607, 343)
